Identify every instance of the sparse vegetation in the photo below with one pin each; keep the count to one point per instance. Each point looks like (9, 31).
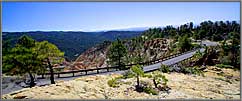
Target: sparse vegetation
(191, 70)
(137, 70)
(128, 74)
(150, 90)
(113, 83)
(223, 66)
(164, 69)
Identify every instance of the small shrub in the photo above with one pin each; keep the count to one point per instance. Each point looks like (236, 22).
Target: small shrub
(225, 60)
(150, 90)
(112, 83)
(164, 80)
(191, 70)
(158, 78)
(128, 74)
(138, 72)
(164, 69)
(145, 83)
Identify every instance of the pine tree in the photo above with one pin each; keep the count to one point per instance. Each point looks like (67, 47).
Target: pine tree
(23, 59)
(138, 71)
(184, 43)
(116, 54)
(50, 54)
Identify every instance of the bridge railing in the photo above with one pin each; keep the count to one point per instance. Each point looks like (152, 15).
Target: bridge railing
(118, 67)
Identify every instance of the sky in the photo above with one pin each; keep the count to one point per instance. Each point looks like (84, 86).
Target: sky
(96, 16)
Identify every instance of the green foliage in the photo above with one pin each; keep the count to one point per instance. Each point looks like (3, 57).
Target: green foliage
(150, 90)
(191, 70)
(164, 69)
(224, 66)
(198, 55)
(184, 43)
(47, 50)
(116, 54)
(230, 50)
(158, 78)
(137, 70)
(128, 74)
(147, 75)
(71, 43)
(32, 57)
(113, 83)
(22, 58)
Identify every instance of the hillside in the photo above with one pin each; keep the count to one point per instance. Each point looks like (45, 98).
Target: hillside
(97, 55)
(72, 43)
(155, 43)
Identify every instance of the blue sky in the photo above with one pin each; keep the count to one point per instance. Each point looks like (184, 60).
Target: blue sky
(93, 16)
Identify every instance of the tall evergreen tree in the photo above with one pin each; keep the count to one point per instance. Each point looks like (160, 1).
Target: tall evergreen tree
(116, 54)
(23, 59)
(50, 54)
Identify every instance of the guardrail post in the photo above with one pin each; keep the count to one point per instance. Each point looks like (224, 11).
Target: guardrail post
(43, 76)
(58, 75)
(108, 69)
(86, 72)
(97, 71)
(73, 74)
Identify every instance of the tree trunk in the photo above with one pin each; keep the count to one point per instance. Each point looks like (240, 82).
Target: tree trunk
(155, 83)
(51, 72)
(32, 83)
(138, 81)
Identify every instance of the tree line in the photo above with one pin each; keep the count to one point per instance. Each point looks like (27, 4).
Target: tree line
(227, 33)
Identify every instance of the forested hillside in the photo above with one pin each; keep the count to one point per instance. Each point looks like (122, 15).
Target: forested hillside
(72, 43)
(155, 43)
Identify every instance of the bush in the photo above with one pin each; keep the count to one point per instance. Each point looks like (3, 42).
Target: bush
(164, 69)
(158, 78)
(225, 60)
(150, 90)
(128, 74)
(191, 70)
(165, 80)
(112, 83)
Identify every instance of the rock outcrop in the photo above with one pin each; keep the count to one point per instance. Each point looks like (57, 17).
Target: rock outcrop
(96, 57)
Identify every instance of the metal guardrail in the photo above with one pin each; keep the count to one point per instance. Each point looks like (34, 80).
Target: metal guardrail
(117, 67)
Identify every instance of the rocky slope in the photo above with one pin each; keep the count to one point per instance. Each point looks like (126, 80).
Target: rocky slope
(147, 49)
(216, 83)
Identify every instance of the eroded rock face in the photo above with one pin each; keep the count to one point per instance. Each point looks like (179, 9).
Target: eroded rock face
(209, 86)
(97, 56)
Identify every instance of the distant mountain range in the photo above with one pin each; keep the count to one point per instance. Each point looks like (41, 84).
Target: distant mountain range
(73, 43)
(129, 29)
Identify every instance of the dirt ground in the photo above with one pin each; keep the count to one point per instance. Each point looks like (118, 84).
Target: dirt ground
(216, 83)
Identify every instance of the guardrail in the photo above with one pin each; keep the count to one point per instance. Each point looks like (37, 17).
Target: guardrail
(117, 67)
